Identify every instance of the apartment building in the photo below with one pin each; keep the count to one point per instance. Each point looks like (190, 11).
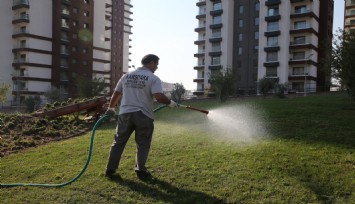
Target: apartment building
(51, 43)
(277, 39)
(349, 15)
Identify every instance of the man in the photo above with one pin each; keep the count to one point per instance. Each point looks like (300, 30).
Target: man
(136, 90)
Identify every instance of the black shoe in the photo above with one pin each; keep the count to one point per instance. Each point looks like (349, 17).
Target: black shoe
(109, 173)
(143, 175)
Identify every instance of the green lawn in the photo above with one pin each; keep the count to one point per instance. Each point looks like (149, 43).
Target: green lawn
(294, 150)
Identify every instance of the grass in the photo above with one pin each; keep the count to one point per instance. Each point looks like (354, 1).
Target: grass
(305, 155)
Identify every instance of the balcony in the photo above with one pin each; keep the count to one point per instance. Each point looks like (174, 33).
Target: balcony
(22, 18)
(199, 67)
(17, 4)
(201, 3)
(199, 80)
(304, 13)
(199, 41)
(272, 2)
(215, 67)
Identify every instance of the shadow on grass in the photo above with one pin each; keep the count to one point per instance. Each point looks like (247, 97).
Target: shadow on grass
(167, 193)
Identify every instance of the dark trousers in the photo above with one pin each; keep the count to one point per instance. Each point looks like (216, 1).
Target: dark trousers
(143, 127)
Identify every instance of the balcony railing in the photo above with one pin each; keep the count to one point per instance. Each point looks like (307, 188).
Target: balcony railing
(21, 17)
(20, 2)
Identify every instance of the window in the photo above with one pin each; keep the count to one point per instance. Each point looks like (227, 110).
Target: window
(241, 9)
(215, 61)
(271, 71)
(63, 35)
(216, 47)
(73, 61)
(216, 20)
(23, 43)
(216, 33)
(73, 49)
(300, 9)
(272, 26)
(240, 23)
(256, 21)
(256, 49)
(240, 36)
(272, 41)
(217, 6)
(86, 13)
(85, 50)
(271, 56)
(273, 11)
(85, 25)
(297, 71)
(86, 1)
(300, 24)
(240, 50)
(64, 49)
(299, 40)
(75, 10)
(298, 55)
(85, 62)
(256, 35)
(257, 6)
(75, 23)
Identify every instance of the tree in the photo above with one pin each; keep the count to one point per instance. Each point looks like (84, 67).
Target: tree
(53, 94)
(4, 88)
(32, 103)
(88, 88)
(223, 83)
(342, 60)
(177, 93)
(265, 85)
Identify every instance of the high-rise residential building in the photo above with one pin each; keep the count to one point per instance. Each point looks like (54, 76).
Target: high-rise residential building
(349, 15)
(276, 39)
(51, 43)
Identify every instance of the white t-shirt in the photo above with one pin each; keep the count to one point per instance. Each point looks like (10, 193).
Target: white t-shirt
(137, 88)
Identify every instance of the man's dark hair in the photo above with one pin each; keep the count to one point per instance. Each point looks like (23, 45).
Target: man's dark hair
(148, 58)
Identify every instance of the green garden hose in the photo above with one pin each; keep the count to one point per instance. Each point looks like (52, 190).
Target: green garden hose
(75, 178)
(85, 165)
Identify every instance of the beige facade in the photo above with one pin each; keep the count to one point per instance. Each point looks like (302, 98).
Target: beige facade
(50, 43)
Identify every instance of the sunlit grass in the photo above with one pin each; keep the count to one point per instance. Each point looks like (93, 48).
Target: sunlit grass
(305, 154)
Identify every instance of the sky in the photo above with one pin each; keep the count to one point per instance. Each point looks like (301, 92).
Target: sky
(166, 28)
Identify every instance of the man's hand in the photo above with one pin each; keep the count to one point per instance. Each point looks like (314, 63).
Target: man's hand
(172, 104)
(111, 112)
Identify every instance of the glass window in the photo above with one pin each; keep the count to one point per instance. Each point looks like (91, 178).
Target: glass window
(271, 71)
(240, 36)
(272, 41)
(299, 40)
(298, 71)
(86, 13)
(240, 23)
(216, 47)
(217, 6)
(257, 6)
(271, 56)
(256, 21)
(240, 51)
(298, 55)
(216, 20)
(256, 35)
(273, 11)
(300, 24)
(241, 9)
(215, 61)
(301, 9)
(272, 26)
(216, 33)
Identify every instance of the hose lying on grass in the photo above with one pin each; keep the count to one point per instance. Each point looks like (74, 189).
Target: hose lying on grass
(104, 117)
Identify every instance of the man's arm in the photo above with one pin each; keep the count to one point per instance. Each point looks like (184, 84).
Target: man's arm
(161, 98)
(116, 96)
